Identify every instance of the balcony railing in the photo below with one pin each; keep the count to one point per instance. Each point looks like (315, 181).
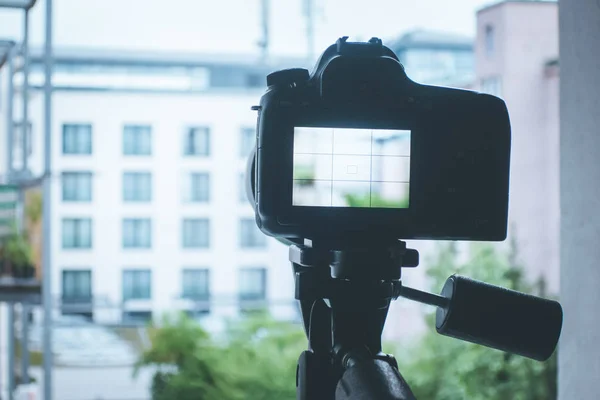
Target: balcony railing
(19, 284)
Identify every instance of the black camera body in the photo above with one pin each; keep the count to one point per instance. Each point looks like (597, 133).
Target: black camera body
(357, 152)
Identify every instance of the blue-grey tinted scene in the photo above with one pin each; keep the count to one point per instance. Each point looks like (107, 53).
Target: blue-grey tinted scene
(346, 167)
(131, 264)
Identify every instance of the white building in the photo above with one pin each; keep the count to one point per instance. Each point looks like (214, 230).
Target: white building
(139, 224)
(148, 209)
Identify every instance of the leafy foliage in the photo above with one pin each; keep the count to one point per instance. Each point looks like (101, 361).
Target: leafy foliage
(33, 208)
(16, 249)
(374, 200)
(443, 368)
(256, 360)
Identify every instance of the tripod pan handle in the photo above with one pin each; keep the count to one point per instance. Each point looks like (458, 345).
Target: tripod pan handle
(500, 318)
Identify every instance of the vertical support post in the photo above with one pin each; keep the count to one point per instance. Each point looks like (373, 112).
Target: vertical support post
(25, 97)
(24, 343)
(11, 351)
(10, 93)
(47, 201)
(264, 44)
(578, 361)
(310, 28)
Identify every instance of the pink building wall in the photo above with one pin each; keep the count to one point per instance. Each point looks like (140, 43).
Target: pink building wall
(525, 39)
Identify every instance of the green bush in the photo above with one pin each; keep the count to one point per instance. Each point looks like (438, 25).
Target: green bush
(256, 360)
(374, 200)
(442, 368)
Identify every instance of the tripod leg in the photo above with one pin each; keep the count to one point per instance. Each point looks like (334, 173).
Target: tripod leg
(373, 379)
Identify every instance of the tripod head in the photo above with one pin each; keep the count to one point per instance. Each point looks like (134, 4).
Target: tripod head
(345, 297)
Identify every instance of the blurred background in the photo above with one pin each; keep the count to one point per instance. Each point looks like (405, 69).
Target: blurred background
(161, 285)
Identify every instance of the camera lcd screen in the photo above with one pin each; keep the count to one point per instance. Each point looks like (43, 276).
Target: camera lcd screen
(347, 167)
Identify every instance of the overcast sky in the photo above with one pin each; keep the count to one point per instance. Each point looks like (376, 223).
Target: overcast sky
(233, 26)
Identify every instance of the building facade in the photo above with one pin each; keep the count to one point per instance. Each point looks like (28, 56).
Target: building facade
(149, 210)
(517, 59)
(436, 58)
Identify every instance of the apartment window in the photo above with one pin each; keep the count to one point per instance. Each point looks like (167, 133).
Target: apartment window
(197, 187)
(77, 139)
(492, 85)
(196, 142)
(242, 189)
(137, 233)
(77, 286)
(195, 283)
(137, 284)
(137, 186)
(196, 233)
(250, 235)
(137, 317)
(248, 138)
(489, 40)
(76, 233)
(77, 186)
(18, 138)
(253, 285)
(255, 80)
(137, 140)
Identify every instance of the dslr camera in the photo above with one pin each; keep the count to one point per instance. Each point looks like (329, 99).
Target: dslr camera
(350, 160)
(357, 151)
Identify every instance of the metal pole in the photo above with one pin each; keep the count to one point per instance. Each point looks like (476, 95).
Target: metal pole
(25, 55)
(310, 28)
(1, 355)
(10, 92)
(265, 6)
(25, 154)
(24, 343)
(11, 351)
(47, 201)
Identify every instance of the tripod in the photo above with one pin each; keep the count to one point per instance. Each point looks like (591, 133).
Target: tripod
(345, 296)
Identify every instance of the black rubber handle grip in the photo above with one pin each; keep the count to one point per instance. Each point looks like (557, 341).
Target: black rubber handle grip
(500, 318)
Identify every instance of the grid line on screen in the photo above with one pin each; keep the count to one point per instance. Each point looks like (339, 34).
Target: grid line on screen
(349, 154)
(331, 174)
(355, 180)
(332, 154)
(371, 173)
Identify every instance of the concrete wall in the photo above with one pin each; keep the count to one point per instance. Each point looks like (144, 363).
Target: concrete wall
(525, 39)
(579, 352)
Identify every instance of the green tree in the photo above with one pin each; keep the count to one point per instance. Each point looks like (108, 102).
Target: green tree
(188, 362)
(374, 200)
(443, 368)
(255, 359)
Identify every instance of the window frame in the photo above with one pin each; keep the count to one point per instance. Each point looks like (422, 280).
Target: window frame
(187, 244)
(246, 141)
(259, 295)
(134, 272)
(77, 243)
(129, 195)
(256, 241)
(187, 144)
(136, 142)
(87, 198)
(81, 146)
(186, 278)
(489, 40)
(136, 243)
(80, 298)
(190, 192)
